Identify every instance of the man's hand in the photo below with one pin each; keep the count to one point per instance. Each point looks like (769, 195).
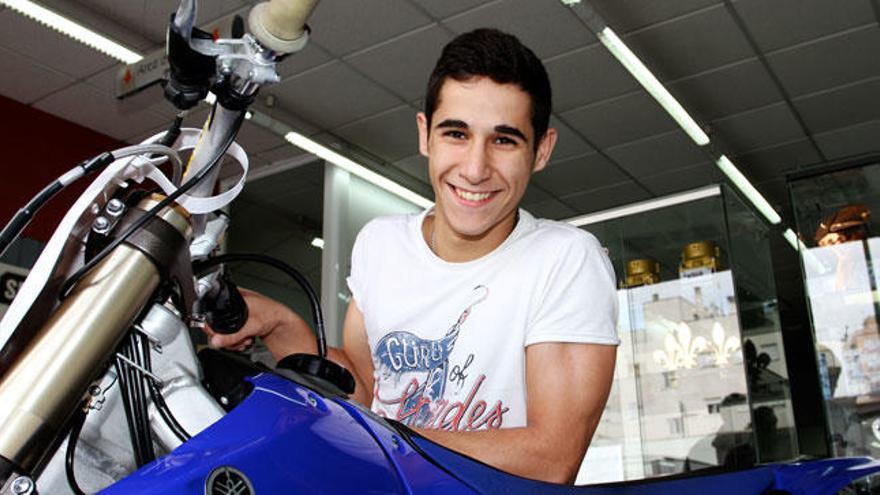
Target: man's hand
(283, 331)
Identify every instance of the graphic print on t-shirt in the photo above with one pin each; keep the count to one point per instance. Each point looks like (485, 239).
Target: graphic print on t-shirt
(423, 365)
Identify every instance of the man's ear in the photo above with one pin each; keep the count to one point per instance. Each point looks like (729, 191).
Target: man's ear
(422, 122)
(545, 149)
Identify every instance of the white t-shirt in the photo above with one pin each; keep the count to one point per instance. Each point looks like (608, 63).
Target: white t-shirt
(448, 339)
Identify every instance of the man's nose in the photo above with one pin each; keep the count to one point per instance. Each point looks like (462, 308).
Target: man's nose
(475, 168)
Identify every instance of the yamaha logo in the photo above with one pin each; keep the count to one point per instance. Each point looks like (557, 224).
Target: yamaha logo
(227, 480)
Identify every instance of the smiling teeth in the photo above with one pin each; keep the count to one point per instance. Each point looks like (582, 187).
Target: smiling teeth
(469, 196)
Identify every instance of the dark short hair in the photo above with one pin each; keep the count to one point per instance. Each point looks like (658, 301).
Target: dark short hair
(500, 57)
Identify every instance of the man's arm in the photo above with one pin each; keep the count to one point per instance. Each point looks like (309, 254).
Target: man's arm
(284, 332)
(567, 386)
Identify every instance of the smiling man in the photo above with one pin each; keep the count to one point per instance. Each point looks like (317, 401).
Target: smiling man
(490, 331)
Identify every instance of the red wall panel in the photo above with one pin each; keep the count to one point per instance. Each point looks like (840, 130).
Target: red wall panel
(35, 148)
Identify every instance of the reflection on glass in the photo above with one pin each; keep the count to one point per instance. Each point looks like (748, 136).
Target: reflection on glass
(700, 378)
(840, 272)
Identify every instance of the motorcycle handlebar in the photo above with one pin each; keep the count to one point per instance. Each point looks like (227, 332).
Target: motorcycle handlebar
(280, 25)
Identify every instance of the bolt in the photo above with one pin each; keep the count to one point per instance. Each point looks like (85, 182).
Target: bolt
(22, 485)
(312, 401)
(395, 442)
(101, 225)
(115, 207)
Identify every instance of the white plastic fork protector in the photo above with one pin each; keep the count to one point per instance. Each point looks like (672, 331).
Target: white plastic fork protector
(78, 219)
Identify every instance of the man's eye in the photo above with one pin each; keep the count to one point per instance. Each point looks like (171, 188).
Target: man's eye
(505, 141)
(454, 134)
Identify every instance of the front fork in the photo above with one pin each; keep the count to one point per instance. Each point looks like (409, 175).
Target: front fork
(50, 378)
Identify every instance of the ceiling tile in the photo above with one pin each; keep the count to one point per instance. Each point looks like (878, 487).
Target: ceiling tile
(757, 128)
(281, 153)
(49, 47)
(446, 8)
(86, 106)
(552, 209)
(308, 58)
(578, 174)
(568, 142)
(657, 154)
(415, 166)
(761, 165)
(690, 44)
(842, 107)
(586, 76)
(150, 17)
(331, 96)
(607, 197)
(24, 80)
(628, 15)
(828, 63)
(343, 26)
(152, 98)
(535, 194)
(683, 179)
(390, 135)
(850, 141)
(814, 18)
(255, 139)
(558, 30)
(404, 64)
(620, 120)
(718, 93)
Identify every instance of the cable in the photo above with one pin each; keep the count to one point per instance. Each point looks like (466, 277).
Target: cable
(79, 420)
(68, 284)
(159, 400)
(24, 215)
(317, 315)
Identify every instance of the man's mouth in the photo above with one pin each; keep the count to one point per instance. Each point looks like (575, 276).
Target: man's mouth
(473, 196)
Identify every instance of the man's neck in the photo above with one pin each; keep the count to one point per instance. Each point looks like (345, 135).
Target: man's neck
(455, 248)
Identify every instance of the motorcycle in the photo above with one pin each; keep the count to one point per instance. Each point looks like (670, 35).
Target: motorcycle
(102, 388)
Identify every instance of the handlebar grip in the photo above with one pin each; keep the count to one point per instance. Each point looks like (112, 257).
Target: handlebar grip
(226, 311)
(280, 25)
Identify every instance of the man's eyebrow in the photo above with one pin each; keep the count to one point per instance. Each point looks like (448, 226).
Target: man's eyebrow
(457, 124)
(506, 129)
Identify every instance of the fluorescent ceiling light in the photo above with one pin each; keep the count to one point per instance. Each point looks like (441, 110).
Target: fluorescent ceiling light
(74, 30)
(748, 190)
(318, 242)
(357, 169)
(792, 239)
(643, 206)
(652, 85)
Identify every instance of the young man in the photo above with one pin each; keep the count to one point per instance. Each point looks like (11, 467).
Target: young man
(490, 331)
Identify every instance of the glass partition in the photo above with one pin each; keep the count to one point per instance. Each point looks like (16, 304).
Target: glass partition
(701, 378)
(839, 257)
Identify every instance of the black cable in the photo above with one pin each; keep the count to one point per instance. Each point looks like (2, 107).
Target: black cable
(139, 387)
(68, 284)
(317, 315)
(159, 400)
(24, 215)
(121, 367)
(166, 414)
(79, 419)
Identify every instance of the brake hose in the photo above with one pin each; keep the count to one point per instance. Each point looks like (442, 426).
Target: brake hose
(317, 315)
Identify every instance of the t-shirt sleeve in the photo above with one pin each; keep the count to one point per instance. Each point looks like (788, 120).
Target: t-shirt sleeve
(578, 302)
(358, 277)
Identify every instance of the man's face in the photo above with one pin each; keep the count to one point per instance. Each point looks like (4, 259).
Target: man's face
(481, 153)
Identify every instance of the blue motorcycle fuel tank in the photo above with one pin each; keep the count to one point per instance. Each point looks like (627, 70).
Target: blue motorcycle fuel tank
(286, 437)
